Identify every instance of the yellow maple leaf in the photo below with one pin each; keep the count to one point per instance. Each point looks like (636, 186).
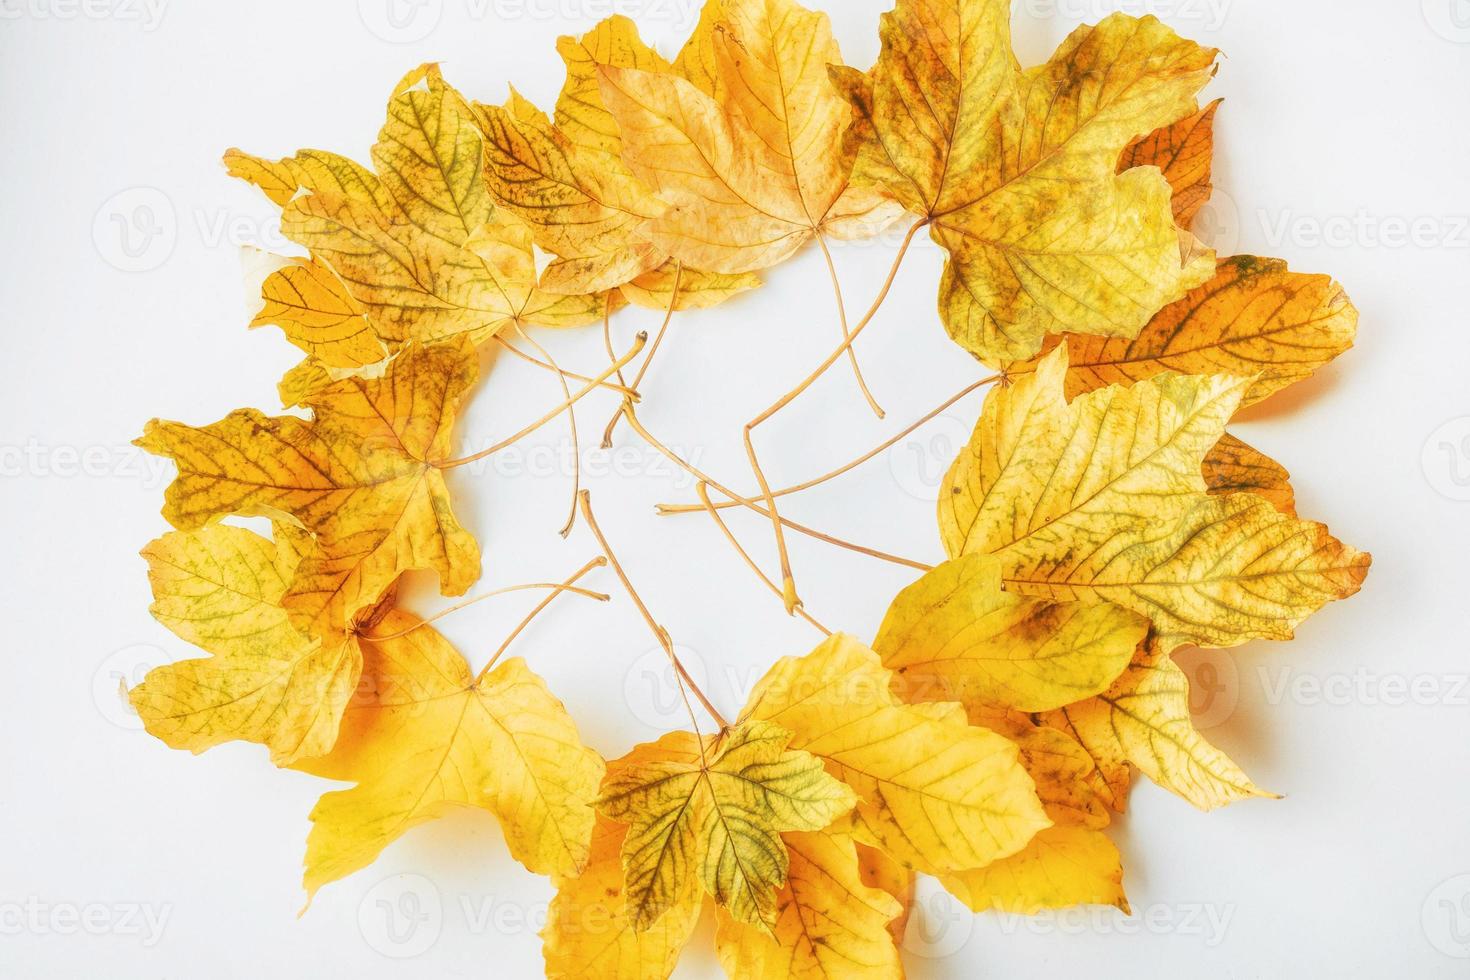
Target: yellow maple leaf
(420, 245)
(1144, 719)
(582, 205)
(1103, 499)
(362, 476)
(1232, 466)
(317, 313)
(711, 814)
(1016, 170)
(1184, 151)
(588, 932)
(426, 735)
(1062, 866)
(936, 794)
(829, 923)
(757, 172)
(220, 588)
(954, 635)
(1254, 318)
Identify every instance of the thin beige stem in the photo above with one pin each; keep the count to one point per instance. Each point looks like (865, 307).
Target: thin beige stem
(558, 587)
(755, 505)
(614, 368)
(610, 386)
(735, 543)
(572, 424)
(857, 372)
(658, 339)
(686, 683)
(788, 582)
(845, 467)
(566, 586)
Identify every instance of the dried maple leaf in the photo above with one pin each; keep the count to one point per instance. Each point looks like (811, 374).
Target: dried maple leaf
(1231, 466)
(419, 245)
(1062, 866)
(588, 931)
(954, 635)
(220, 588)
(426, 735)
(581, 203)
(1144, 719)
(710, 813)
(916, 768)
(829, 923)
(1184, 151)
(1016, 171)
(1103, 499)
(1254, 319)
(317, 313)
(753, 171)
(362, 476)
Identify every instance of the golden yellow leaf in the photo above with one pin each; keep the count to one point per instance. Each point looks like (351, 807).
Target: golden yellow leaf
(697, 290)
(955, 636)
(1184, 151)
(419, 247)
(1254, 319)
(755, 176)
(582, 205)
(1062, 866)
(426, 735)
(1103, 499)
(220, 589)
(580, 111)
(1144, 719)
(317, 313)
(588, 934)
(936, 794)
(302, 381)
(697, 60)
(1016, 170)
(1231, 466)
(878, 870)
(362, 476)
(713, 814)
(1067, 779)
(829, 923)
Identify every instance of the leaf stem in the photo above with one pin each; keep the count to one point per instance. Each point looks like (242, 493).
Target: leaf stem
(566, 586)
(857, 372)
(788, 583)
(557, 587)
(686, 683)
(755, 506)
(614, 368)
(714, 514)
(623, 390)
(658, 339)
(572, 424)
(845, 467)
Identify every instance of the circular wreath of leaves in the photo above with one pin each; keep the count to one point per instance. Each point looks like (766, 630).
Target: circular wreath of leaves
(1099, 519)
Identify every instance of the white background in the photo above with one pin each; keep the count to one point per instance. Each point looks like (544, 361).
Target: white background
(1341, 115)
